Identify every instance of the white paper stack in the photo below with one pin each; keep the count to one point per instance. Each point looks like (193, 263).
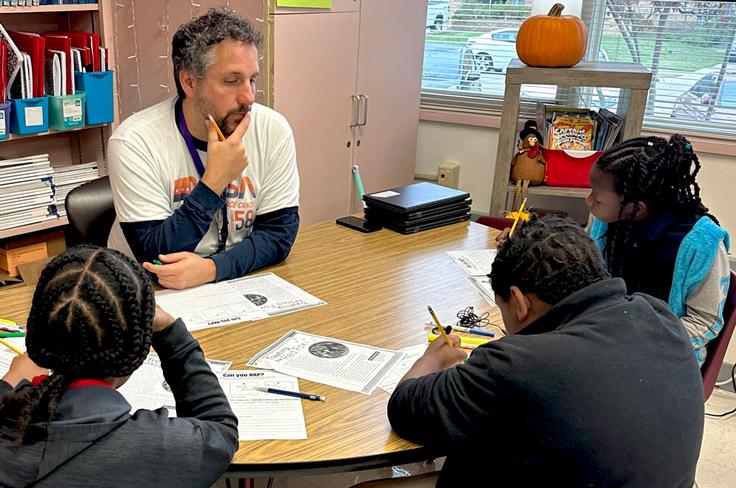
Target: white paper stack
(66, 178)
(26, 193)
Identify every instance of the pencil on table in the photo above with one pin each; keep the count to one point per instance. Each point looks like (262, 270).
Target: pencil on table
(216, 127)
(518, 216)
(11, 347)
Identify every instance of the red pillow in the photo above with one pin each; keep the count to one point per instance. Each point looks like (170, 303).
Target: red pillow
(568, 167)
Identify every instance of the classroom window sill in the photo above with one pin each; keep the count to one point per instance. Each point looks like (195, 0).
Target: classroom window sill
(701, 143)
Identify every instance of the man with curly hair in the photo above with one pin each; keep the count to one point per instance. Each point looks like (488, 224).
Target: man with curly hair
(209, 207)
(591, 386)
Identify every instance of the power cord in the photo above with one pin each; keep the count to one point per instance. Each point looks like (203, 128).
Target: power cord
(733, 383)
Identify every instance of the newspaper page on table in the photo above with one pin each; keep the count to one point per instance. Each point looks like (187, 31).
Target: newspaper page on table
(210, 305)
(264, 415)
(274, 295)
(7, 355)
(474, 263)
(342, 364)
(411, 354)
(146, 389)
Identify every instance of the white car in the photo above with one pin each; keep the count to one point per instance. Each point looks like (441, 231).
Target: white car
(494, 50)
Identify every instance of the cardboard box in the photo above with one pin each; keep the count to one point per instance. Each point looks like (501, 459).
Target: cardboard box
(11, 256)
(30, 249)
(31, 272)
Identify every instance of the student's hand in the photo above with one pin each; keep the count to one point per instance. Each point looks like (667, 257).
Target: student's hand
(438, 357)
(501, 238)
(442, 356)
(226, 160)
(183, 270)
(161, 320)
(22, 368)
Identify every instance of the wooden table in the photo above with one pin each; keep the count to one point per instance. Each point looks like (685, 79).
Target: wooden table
(377, 287)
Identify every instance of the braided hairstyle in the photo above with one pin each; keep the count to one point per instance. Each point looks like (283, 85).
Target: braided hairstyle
(550, 257)
(91, 317)
(652, 170)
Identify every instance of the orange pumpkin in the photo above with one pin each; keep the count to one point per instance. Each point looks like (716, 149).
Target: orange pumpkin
(553, 40)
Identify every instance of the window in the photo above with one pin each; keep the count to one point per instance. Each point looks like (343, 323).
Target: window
(688, 45)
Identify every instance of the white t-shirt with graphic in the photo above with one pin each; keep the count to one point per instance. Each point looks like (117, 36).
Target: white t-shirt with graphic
(151, 171)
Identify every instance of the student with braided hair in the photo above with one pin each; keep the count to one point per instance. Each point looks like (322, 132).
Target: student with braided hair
(92, 323)
(655, 232)
(591, 386)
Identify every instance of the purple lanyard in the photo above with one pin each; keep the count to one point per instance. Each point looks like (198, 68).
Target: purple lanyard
(189, 140)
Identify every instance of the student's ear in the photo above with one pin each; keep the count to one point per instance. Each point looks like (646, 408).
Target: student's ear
(641, 213)
(520, 304)
(188, 83)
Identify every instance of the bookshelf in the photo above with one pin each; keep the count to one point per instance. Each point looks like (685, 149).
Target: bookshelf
(72, 146)
(633, 79)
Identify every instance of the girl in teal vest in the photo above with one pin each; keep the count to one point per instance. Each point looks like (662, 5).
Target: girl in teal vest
(655, 232)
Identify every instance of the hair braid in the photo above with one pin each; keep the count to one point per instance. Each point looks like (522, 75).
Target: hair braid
(91, 316)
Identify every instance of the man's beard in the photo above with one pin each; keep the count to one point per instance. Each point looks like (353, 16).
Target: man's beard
(226, 130)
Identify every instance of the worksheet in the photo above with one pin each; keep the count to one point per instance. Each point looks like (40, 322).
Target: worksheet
(274, 295)
(342, 364)
(264, 415)
(7, 355)
(210, 305)
(483, 285)
(411, 354)
(148, 390)
(474, 263)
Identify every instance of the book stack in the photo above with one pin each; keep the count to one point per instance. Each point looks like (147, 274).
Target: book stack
(417, 207)
(66, 178)
(26, 193)
(571, 128)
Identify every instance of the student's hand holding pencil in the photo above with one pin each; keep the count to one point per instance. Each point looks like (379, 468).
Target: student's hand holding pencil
(439, 356)
(226, 158)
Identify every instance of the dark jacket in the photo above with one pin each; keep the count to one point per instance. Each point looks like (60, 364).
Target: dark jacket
(95, 441)
(601, 391)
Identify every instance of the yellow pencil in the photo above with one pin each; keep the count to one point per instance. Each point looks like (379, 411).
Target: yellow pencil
(518, 216)
(214, 124)
(11, 347)
(439, 326)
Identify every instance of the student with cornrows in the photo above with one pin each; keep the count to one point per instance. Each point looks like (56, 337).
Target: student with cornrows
(92, 322)
(655, 232)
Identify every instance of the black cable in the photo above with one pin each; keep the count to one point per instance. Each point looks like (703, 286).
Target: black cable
(733, 383)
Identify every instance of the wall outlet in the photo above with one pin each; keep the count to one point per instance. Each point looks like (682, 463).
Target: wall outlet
(448, 174)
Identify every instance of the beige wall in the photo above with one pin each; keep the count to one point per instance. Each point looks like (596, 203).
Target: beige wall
(474, 148)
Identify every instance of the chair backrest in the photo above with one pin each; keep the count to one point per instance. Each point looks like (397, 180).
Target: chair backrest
(91, 213)
(499, 223)
(718, 346)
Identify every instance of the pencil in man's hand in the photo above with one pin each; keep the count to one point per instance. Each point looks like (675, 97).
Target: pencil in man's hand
(216, 127)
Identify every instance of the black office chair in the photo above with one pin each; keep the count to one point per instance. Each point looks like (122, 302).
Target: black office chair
(91, 213)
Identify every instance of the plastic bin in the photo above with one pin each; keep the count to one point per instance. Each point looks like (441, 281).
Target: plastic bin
(29, 115)
(98, 105)
(66, 111)
(4, 120)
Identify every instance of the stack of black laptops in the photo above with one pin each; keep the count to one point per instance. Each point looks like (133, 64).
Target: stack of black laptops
(417, 207)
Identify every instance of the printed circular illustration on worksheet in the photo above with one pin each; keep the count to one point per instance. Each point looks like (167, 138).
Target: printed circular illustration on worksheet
(328, 350)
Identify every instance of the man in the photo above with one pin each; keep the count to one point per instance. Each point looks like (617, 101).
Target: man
(591, 387)
(207, 209)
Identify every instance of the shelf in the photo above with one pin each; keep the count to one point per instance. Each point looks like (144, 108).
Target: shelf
(555, 191)
(92, 7)
(51, 132)
(27, 229)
